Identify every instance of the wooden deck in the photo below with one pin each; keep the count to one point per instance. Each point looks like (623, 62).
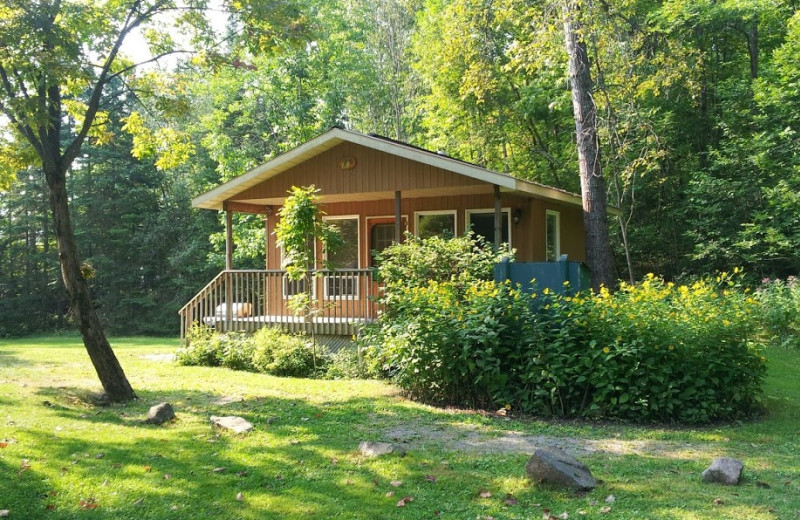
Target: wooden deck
(247, 300)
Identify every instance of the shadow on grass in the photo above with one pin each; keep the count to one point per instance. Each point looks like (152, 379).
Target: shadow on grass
(8, 359)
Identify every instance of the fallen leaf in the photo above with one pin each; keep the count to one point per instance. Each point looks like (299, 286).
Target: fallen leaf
(581, 512)
(564, 516)
(100, 455)
(430, 478)
(217, 470)
(510, 500)
(334, 461)
(50, 507)
(606, 509)
(105, 482)
(717, 501)
(610, 499)
(139, 502)
(4, 513)
(485, 494)
(239, 496)
(396, 483)
(3, 445)
(167, 476)
(390, 493)
(405, 500)
(173, 508)
(52, 493)
(242, 473)
(348, 482)
(148, 469)
(25, 464)
(88, 504)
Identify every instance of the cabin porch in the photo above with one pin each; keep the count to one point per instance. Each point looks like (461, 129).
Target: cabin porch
(247, 300)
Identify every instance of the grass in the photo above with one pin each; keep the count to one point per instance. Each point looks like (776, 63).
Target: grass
(65, 458)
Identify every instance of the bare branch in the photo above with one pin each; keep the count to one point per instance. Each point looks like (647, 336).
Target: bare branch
(151, 60)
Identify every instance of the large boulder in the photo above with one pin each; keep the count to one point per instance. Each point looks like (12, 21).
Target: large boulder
(556, 467)
(232, 423)
(160, 413)
(724, 470)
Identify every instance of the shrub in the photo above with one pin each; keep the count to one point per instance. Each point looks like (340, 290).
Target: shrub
(650, 352)
(204, 348)
(281, 354)
(780, 301)
(345, 364)
(417, 261)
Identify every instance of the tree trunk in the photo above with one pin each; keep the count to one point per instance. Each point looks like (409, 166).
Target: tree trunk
(105, 362)
(593, 186)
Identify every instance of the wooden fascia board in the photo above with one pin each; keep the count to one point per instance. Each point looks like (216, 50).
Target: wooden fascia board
(215, 198)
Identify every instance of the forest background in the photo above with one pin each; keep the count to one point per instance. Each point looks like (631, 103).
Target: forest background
(698, 112)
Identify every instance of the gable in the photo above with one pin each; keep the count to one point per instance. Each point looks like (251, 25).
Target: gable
(350, 171)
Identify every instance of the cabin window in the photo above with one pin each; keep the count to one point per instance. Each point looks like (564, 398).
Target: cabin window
(293, 287)
(436, 223)
(552, 236)
(481, 221)
(343, 282)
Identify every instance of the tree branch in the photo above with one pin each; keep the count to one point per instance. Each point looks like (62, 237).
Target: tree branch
(151, 60)
(132, 21)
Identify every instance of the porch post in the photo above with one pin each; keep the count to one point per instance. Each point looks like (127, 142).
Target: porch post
(398, 218)
(228, 238)
(498, 219)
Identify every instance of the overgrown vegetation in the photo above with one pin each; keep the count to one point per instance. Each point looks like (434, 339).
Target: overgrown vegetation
(780, 310)
(268, 351)
(654, 351)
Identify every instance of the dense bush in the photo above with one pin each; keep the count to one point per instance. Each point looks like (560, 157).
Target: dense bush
(650, 352)
(281, 354)
(461, 259)
(269, 351)
(780, 300)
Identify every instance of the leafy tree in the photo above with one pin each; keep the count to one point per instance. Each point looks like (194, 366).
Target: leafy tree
(299, 229)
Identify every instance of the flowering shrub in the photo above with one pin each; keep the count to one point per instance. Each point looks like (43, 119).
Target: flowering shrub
(650, 352)
(780, 300)
(654, 351)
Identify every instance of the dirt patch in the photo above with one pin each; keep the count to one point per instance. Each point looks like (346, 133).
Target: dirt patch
(475, 440)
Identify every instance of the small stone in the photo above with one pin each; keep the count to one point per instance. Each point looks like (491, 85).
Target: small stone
(160, 413)
(556, 467)
(232, 423)
(724, 470)
(378, 449)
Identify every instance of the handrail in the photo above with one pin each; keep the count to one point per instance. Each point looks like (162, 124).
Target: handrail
(248, 299)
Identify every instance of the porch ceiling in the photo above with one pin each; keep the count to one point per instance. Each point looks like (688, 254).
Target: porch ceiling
(479, 189)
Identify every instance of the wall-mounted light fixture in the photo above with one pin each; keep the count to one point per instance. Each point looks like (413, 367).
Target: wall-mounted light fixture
(517, 216)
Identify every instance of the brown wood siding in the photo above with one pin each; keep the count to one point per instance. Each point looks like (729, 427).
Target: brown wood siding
(375, 171)
(527, 237)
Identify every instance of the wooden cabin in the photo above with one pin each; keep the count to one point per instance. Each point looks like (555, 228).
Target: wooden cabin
(374, 189)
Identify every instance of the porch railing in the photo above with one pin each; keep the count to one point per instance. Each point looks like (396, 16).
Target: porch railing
(247, 300)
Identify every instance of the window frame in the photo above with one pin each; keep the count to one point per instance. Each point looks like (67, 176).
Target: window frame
(557, 245)
(326, 289)
(468, 224)
(418, 214)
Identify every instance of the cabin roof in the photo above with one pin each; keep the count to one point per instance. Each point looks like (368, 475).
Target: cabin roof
(216, 198)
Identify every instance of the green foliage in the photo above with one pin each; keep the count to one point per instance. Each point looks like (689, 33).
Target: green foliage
(281, 354)
(418, 260)
(650, 352)
(345, 364)
(269, 351)
(204, 348)
(780, 310)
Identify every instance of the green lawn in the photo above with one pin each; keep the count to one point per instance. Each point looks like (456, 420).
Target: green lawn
(62, 457)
